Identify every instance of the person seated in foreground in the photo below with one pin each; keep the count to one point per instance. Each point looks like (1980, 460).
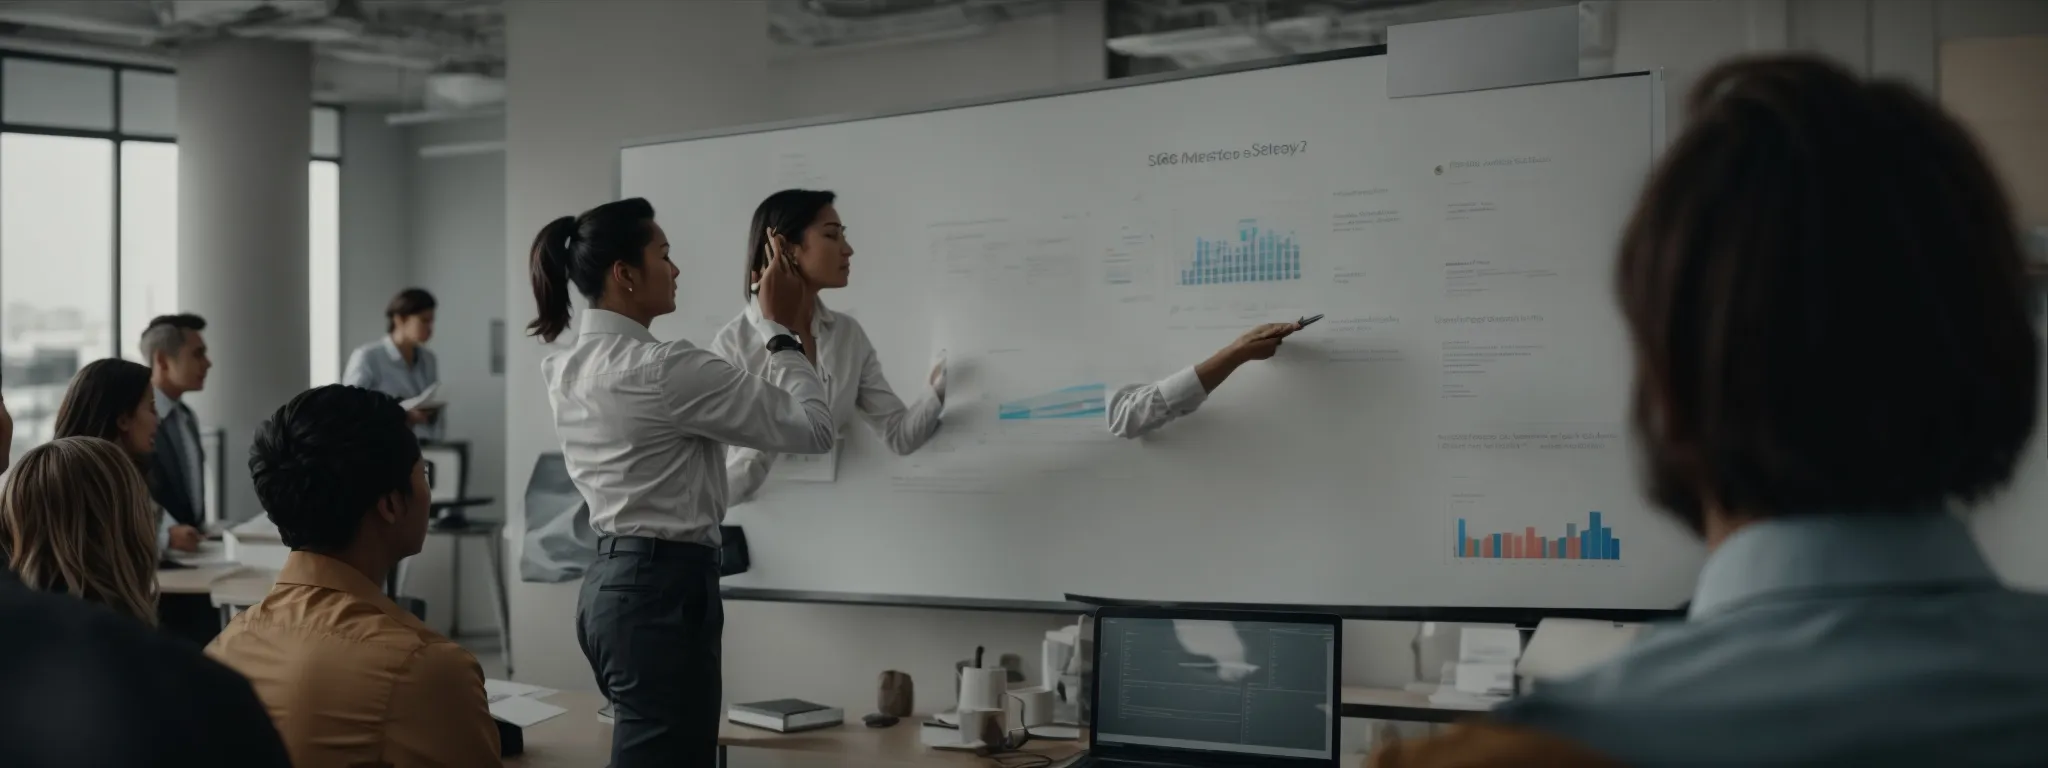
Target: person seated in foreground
(1826, 296)
(76, 518)
(88, 686)
(350, 677)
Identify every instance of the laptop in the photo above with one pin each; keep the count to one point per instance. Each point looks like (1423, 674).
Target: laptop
(1195, 688)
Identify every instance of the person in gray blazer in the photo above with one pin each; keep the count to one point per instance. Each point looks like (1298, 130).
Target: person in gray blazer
(178, 365)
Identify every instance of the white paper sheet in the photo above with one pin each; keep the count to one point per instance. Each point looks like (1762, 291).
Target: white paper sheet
(523, 711)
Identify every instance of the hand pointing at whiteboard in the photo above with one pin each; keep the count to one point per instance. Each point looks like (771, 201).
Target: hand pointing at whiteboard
(1136, 410)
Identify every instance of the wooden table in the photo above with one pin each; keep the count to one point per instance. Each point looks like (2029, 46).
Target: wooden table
(576, 738)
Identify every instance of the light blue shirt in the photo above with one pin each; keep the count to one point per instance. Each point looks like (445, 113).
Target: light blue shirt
(380, 366)
(1838, 640)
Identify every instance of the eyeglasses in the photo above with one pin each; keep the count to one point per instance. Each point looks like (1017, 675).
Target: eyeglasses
(430, 473)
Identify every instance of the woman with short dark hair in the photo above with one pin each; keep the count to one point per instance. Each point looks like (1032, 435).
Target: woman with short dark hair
(399, 364)
(1827, 300)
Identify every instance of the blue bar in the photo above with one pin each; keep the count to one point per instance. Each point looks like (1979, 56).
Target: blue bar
(1496, 545)
(1461, 537)
(1586, 546)
(1614, 549)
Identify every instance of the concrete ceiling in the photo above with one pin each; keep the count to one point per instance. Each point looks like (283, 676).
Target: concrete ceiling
(398, 52)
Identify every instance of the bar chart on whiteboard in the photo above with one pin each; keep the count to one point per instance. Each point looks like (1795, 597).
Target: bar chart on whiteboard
(1570, 541)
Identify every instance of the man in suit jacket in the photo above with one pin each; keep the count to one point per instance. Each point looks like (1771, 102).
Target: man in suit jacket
(178, 365)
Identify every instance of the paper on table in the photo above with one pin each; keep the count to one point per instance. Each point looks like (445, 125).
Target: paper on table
(425, 399)
(495, 689)
(523, 711)
(1489, 644)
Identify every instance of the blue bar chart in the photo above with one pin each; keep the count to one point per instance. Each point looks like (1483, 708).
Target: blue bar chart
(1085, 401)
(1256, 254)
(1595, 542)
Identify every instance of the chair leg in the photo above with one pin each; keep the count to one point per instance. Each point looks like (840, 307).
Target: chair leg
(495, 544)
(455, 588)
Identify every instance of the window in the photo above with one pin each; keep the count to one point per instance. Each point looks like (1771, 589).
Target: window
(56, 270)
(89, 225)
(323, 270)
(149, 238)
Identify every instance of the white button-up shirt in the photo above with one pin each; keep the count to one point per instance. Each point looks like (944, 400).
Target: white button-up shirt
(1137, 409)
(644, 423)
(853, 383)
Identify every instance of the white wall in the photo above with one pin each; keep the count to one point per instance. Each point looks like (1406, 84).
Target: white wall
(667, 68)
(456, 240)
(374, 221)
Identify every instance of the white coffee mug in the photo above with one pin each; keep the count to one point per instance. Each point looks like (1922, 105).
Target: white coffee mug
(983, 687)
(1034, 707)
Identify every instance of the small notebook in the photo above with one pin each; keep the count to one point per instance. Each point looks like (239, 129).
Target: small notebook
(785, 715)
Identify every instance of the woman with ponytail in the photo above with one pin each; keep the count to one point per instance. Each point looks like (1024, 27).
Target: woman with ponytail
(644, 425)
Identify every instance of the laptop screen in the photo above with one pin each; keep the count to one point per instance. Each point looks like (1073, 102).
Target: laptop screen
(1246, 687)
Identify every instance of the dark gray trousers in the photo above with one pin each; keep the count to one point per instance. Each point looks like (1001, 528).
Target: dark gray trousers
(649, 620)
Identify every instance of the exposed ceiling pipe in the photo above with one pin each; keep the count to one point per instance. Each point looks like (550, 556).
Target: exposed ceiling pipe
(69, 20)
(107, 53)
(461, 149)
(442, 116)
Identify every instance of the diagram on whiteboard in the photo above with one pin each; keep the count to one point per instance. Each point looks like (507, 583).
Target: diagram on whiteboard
(1530, 492)
(1240, 246)
(1084, 401)
(1586, 540)
(1255, 254)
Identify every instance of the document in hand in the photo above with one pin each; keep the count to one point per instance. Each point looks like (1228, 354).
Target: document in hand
(424, 399)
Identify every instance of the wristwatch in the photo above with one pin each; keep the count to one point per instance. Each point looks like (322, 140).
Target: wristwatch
(784, 341)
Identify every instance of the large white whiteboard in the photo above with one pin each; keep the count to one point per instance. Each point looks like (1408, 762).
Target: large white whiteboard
(1472, 365)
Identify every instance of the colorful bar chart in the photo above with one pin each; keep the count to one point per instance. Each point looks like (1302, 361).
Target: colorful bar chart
(1256, 255)
(1078, 402)
(1594, 542)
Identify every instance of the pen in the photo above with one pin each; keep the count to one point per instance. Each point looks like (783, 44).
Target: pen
(977, 656)
(1307, 321)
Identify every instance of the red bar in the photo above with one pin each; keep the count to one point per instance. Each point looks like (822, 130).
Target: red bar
(1535, 548)
(1571, 549)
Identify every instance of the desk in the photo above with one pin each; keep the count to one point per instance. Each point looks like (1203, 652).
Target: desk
(1398, 704)
(196, 580)
(576, 738)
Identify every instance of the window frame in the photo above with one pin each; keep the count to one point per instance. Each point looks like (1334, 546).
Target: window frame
(117, 136)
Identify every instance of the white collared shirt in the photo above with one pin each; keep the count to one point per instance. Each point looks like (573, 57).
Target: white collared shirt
(1140, 408)
(853, 383)
(644, 423)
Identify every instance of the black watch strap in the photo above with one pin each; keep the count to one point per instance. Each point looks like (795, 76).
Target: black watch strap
(784, 341)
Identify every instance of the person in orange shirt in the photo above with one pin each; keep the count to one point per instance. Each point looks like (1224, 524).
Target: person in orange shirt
(349, 677)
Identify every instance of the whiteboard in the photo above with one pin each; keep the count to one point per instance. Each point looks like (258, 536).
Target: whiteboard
(1472, 369)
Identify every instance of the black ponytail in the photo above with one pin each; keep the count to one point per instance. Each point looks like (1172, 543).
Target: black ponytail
(550, 268)
(582, 250)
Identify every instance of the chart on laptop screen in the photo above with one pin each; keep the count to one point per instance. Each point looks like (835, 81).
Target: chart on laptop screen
(1261, 688)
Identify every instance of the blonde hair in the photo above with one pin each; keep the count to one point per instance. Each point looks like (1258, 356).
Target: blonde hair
(76, 517)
